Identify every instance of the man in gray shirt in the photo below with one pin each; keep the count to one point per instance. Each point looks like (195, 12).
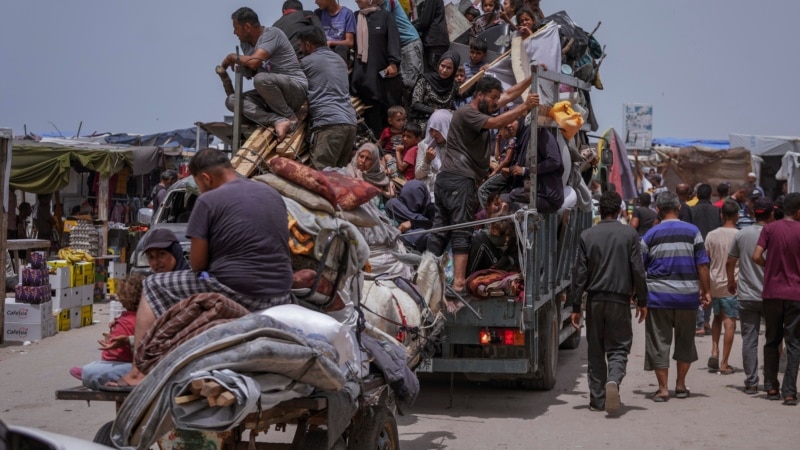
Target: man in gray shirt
(333, 119)
(268, 58)
(748, 289)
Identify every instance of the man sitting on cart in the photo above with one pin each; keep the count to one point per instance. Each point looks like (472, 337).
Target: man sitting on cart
(240, 248)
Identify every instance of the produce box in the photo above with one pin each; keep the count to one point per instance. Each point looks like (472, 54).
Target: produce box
(32, 294)
(86, 315)
(35, 277)
(27, 313)
(63, 320)
(20, 332)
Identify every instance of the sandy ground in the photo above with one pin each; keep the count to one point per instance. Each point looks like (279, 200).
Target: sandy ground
(482, 416)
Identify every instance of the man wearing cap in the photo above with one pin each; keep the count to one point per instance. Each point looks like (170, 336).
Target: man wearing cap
(168, 178)
(240, 248)
(747, 287)
(753, 180)
(781, 297)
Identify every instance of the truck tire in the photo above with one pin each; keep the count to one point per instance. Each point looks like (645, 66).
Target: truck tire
(103, 435)
(374, 429)
(573, 341)
(545, 378)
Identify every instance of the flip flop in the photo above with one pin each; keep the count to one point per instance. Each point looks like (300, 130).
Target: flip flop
(122, 386)
(729, 371)
(713, 363)
(657, 398)
(682, 394)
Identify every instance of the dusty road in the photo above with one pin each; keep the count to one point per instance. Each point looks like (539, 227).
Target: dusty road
(717, 415)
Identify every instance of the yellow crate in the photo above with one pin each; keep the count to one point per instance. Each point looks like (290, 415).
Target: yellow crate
(111, 285)
(77, 279)
(86, 315)
(59, 263)
(63, 320)
(69, 224)
(84, 267)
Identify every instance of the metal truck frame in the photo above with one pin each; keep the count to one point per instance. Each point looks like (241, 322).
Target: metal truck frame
(540, 324)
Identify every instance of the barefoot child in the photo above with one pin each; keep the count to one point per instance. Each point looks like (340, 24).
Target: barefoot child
(117, 356)
(391, 137)
(407, 153)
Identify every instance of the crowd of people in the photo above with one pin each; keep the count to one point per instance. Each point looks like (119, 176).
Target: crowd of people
(692, 268)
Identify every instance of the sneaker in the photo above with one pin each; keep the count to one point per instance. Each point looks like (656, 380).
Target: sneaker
(612, 397)
(751, 390)
(76, 372)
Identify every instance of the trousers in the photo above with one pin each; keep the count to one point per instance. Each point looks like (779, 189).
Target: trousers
(609, 337)
(750, 315)
(782, 318)
(275, 98)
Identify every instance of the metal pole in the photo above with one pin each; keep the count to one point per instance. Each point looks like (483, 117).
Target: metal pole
(532, 283)
(237, 106)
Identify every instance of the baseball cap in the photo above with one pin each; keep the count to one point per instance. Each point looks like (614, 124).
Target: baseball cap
(158, 238)
(763, 205)
(755, 193)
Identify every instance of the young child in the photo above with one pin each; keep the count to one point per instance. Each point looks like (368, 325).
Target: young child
(471, 14)
(117, 354)
(407, 153)
(460, 78)
(505, 145)
(526, 22)
(392, 136)
(490, 14)
(477, 54)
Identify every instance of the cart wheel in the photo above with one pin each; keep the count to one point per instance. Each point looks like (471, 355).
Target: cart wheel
(318, 440)
(375, 429)
(103, 435)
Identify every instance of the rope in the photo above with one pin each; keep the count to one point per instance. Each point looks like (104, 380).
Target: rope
(462, 225)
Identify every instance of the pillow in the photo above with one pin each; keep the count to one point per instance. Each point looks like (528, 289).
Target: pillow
(350, 193)
(301, 195)
(304, 176)
(304, 279)
(361, 216)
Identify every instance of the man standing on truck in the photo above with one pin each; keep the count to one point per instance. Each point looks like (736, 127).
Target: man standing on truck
(168, 178)
(677, 282)
(465, 165)
(269, 58)
(609, 269)
(240, 248)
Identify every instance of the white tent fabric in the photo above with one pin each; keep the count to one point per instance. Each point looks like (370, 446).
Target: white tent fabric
(790, 171)
(765, 145)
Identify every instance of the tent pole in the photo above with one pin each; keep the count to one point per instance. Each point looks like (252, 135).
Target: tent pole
(102, 211)
(5, 155)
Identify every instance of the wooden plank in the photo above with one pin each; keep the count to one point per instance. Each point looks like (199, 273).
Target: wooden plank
(184, 399)
(84, 393)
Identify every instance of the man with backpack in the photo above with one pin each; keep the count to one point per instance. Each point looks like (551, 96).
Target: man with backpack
(159, 193)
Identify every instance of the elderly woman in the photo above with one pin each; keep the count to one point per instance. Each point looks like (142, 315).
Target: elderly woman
(375, 78)
(164, 252)
(435, 90)
(367, 165)
(431, 149)
(412, 210)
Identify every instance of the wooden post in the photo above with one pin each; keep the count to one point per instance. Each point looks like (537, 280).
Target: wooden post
(102, 211)
(5, 158)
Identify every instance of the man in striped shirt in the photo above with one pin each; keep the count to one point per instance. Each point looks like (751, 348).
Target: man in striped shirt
(677, 283)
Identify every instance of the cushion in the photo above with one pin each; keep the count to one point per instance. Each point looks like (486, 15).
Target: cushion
(362, 216)
(304, 279)
(349, 192)
(299, 194)
(304, 176)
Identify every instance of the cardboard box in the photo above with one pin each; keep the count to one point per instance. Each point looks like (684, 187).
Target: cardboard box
(74, 318)
(50, 327)
(88, 279)
(20, 332)
(84, 267)
(61, 298)
(27, 313)
(87, 316)
(34, 277)
(117, 270)
(32, 294)
(59, 263)
(63, 320)
(86, 295)
(111, 286)
(62, 278)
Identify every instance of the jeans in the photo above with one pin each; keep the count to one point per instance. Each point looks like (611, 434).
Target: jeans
(98, 373)
(609, 336)
(332, 145)
(750, 314)
(411, 63)
(782, 318)
(275, 98)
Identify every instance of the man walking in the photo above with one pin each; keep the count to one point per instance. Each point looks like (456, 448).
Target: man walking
(748, 289)
(676, 263)
(726, 308)
(781, 296)
(609, 269)
(705, 216)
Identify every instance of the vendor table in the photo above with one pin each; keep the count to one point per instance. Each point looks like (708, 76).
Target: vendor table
(15, 245)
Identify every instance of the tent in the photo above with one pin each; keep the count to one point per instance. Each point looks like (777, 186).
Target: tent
(43, 168)
(766, 145)
(712, 144)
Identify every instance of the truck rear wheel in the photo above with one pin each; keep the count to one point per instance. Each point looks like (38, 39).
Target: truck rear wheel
(549, 327)
(375, 429)
(103, 435)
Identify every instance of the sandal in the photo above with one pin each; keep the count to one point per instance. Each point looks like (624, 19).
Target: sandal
(121, 386)
(729, 371)
(682, 393)
(658, 398)
(713, 363)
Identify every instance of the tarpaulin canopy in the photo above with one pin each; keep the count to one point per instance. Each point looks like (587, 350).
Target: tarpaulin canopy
(699, 143)
(43, 168)
(766, 145)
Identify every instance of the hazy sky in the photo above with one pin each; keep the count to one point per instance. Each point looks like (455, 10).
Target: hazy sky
(709, 67)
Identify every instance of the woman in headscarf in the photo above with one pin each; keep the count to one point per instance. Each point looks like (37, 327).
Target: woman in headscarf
(435, 90)
(431, 149)
(375, 79)
(412, 210)
(367, 165)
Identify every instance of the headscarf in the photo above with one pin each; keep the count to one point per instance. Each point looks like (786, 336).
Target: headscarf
(439, 121)
(443, 86)
(362, 29)
(177, 252)
(375, 175)
(411, 204)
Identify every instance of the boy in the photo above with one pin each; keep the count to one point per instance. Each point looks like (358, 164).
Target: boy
(407, 153)
(392, 136)
(477, 53)
(460, 78)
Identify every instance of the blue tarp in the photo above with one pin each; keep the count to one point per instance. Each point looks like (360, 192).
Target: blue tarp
(185, 137)
(680, 143)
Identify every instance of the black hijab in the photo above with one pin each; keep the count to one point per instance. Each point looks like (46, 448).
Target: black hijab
(443, 86)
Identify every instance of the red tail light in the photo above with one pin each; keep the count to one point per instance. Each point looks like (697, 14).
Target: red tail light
(501, 336)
